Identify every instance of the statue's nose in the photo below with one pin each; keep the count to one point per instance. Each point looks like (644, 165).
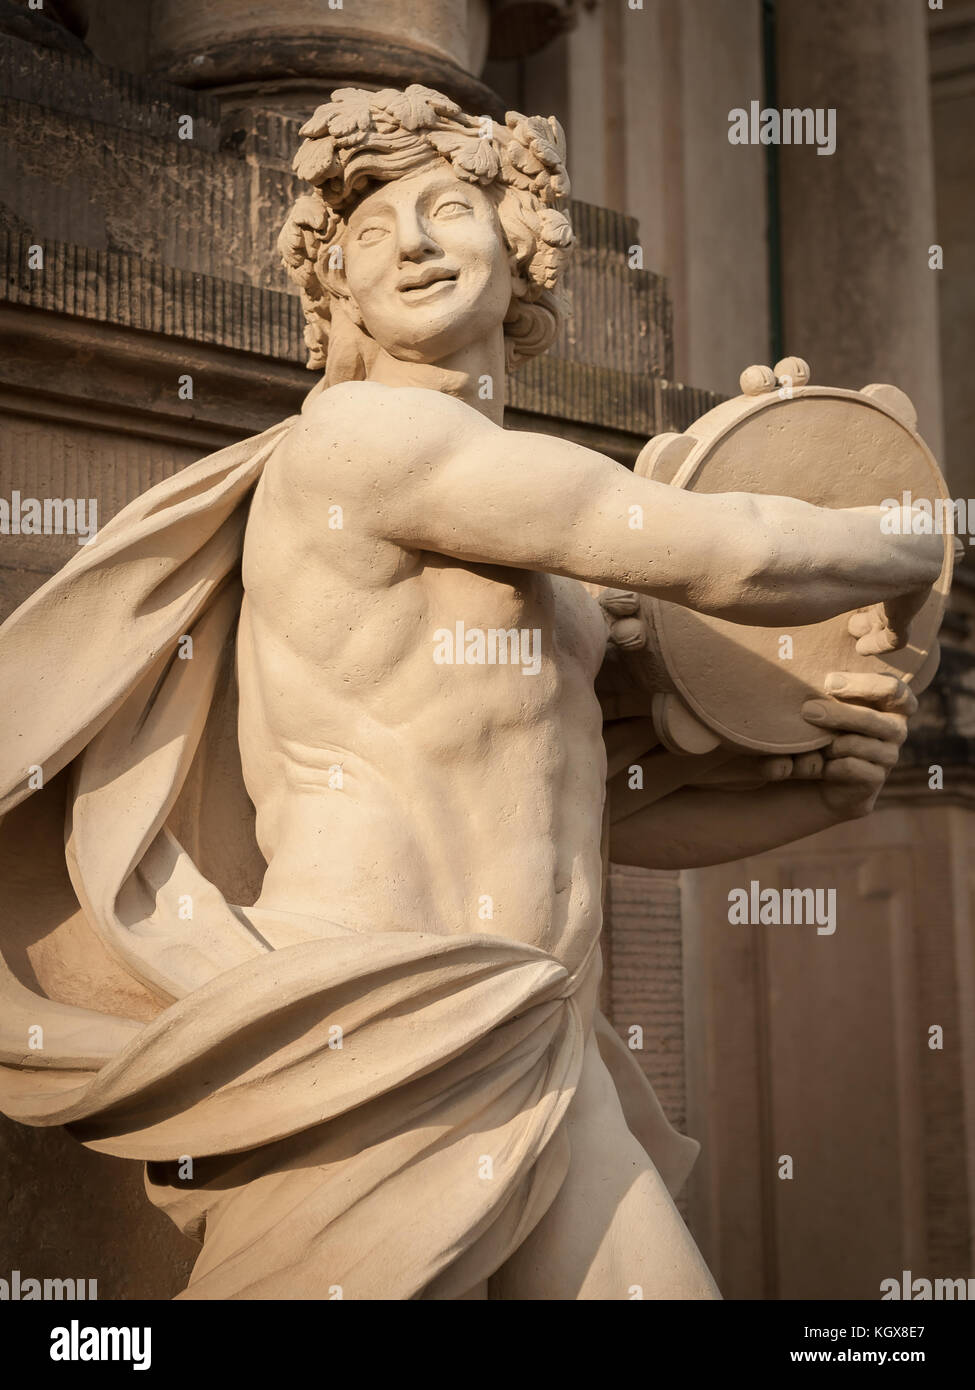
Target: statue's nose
(414, 242)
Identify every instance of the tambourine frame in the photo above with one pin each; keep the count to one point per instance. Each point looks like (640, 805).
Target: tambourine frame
(678, 460)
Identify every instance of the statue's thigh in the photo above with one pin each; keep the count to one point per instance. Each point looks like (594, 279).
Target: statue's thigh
(613, 1230)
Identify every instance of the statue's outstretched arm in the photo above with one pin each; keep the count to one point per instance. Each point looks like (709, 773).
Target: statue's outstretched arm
(430, 473)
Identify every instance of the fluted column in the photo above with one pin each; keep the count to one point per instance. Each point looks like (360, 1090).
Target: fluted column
(859, 299)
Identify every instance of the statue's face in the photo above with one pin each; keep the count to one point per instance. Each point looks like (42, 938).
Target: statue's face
(427, 266)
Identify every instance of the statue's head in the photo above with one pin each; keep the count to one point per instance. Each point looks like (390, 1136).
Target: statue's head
(427, 230)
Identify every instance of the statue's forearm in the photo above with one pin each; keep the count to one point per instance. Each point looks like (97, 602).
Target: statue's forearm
(698, 826)
(542, 503)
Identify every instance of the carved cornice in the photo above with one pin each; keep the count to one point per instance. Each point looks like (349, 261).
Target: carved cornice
(102, 376)
(126, 291)
(132, 292)
(73, 82)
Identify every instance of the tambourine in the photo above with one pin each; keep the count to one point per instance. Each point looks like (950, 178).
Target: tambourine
(743, 687)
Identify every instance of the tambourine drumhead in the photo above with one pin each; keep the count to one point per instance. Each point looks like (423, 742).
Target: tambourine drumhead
(830, 447)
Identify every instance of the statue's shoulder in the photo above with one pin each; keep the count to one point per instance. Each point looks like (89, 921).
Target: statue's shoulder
(361, 403)
(369, 428)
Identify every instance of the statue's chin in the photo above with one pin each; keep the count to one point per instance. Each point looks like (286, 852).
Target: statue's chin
(436, 346)
(441, 320)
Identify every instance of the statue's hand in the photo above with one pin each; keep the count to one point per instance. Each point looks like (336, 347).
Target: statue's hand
(867, 714)
(625, 683)
(627, 622)
(886, 627)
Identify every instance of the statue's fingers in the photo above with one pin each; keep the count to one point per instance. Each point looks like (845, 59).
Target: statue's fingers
(775, 769)
(629, 633)
(870, 750)
(861, 622)
(872, 688)
(899, 614)
(807, 767)
(857, 719)
(856, 771)
(620, 603)
(878, 641)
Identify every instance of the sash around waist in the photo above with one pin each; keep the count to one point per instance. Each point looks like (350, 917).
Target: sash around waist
(302, 1034)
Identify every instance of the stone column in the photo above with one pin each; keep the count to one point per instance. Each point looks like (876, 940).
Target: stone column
(952, 35)
(287, 55)
(650, 90)
(859, 299)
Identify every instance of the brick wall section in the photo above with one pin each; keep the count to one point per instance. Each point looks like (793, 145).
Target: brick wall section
(646, 977)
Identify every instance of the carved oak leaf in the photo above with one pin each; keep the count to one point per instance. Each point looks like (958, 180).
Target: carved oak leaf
(316, 161)
(554, 187)
(291, 244)
(541, 144)
(473, 158)
(535, 133)
(521, 169)
(410, 109)
(317, 123)
(536, 151)
(556, 228)
(558, 137)
(440, 103)
(310, 211)
(522, 158)
(347, 117)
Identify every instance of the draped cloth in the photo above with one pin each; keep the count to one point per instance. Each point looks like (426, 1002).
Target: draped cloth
(323, 1081)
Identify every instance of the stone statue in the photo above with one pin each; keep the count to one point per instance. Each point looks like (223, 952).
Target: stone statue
(305, 752)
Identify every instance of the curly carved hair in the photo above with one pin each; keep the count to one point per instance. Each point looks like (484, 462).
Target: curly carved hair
(362, 138)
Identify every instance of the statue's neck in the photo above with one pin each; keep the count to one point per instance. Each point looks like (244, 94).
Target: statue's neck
(474, 375)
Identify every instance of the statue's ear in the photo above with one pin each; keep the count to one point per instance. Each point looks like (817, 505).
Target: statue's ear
(346, 304)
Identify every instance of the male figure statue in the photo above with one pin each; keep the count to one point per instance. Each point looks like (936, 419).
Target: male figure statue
(388, 1077)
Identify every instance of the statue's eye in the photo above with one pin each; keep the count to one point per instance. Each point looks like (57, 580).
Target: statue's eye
(370, 235)
(455, 207)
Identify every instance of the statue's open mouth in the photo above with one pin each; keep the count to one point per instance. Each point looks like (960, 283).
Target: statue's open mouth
(428, 283)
